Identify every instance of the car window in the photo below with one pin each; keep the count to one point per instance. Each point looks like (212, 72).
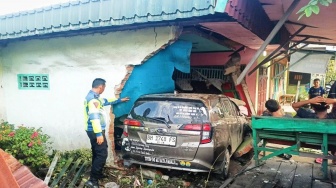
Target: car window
(235, 109)
(227, 108)
(217, 109)
(176, 112)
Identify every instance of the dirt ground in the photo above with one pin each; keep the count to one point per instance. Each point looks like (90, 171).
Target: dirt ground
(156, 177)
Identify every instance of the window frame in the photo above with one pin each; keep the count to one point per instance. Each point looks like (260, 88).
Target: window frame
(32, 81)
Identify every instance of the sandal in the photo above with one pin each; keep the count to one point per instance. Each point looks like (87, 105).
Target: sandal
(318, 160)
(285, 156)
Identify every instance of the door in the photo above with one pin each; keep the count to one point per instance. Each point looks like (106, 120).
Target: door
(262, 89)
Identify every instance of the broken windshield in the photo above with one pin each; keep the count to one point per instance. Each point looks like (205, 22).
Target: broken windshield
(170, 112)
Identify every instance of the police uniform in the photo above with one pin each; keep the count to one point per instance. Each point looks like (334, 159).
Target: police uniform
(95, 123)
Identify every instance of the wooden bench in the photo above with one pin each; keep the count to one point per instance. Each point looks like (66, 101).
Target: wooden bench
(295, 133)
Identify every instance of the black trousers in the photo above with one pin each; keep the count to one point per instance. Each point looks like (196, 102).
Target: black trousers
(99, 155)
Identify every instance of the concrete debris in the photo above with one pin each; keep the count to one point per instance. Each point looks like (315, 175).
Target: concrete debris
(164, 177)
(136, 182)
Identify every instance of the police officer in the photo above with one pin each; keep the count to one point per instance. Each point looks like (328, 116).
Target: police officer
(95, 128)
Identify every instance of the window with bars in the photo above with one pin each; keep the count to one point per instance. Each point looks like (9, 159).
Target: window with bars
(33, 81)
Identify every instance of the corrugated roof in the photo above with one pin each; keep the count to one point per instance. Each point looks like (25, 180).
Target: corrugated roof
(86, 14)
(251, 15)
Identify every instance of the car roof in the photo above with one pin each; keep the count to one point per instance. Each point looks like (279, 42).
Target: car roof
(205, 98)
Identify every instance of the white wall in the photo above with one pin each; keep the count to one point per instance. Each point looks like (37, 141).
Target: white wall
(2, 97)
(72, 63)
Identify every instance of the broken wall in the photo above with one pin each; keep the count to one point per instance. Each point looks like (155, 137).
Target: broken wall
(155, 75)
(220, 58)
(72, 63)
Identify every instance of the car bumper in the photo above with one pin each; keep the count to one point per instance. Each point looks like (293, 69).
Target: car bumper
(175, 164)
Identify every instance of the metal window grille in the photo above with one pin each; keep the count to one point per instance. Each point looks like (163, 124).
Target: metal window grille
(209, 72)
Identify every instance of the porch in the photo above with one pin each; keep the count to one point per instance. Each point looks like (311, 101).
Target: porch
(299, 172)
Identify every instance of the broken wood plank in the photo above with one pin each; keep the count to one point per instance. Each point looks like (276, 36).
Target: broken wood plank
(242, 170)
(60, 175)
(78, 174)
(52, 167)
(266, 175)
(318, 177)
(320, 184)
(285, 174)
(303, 175)
(317, 171)
(244, 148)
(70, 173)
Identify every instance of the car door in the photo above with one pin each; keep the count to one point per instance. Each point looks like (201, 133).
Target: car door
(220, 125)
(238, 125)
(230, 119)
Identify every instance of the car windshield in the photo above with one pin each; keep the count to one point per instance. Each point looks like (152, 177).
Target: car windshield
(170, 112)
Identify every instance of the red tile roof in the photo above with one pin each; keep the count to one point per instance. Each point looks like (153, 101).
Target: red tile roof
(14, 174)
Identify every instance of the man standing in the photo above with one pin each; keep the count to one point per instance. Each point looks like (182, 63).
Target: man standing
(316, 90)
(95, 128)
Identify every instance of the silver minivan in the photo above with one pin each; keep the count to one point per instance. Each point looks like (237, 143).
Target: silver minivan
(190, 132)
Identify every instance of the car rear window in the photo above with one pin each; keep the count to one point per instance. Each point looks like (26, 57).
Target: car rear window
(175, 112)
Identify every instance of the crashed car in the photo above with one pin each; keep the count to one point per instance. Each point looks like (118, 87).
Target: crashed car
(190, 132)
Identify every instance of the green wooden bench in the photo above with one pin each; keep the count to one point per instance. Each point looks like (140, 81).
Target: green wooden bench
(295, 133)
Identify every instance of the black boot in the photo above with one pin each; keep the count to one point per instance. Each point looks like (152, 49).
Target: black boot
(92, 183)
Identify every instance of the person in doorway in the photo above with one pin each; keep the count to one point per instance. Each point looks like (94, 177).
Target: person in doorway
(95, 128)
(316, 90)
(320, 106)
(274, 109)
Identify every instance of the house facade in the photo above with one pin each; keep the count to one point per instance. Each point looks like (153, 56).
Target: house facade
(49, 56)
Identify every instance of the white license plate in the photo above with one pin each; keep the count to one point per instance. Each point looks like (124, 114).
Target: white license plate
(162, 140)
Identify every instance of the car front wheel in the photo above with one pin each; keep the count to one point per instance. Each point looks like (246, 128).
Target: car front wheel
(224, 168)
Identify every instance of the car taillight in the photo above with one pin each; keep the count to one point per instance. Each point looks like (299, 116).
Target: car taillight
(130, 122)
(204, 128)
(192, 127)
(206, 134)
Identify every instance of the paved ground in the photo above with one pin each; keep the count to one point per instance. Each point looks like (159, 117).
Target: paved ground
(299, 172)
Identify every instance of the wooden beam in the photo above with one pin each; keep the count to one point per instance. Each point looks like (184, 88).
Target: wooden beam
(268, 39)
(270, 57)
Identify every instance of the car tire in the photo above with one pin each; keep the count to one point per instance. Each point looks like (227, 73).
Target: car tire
(117, 138)
(224, 167)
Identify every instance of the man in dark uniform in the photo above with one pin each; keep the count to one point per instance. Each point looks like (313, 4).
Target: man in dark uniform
(95, 128)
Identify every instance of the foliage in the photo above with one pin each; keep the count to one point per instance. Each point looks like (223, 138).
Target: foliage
(331, 73)
(27, 144)
(313, 7)
(79, 154)
(6, 129)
